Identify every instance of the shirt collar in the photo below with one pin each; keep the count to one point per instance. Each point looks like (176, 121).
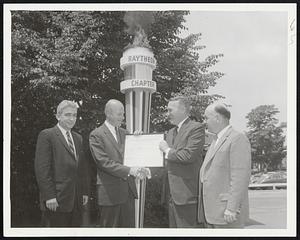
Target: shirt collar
(110, 127)
(180, 124)
(221, 133)
(64, 131)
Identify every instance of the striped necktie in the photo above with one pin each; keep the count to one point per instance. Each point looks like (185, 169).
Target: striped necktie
(70, 143)
(118, 135)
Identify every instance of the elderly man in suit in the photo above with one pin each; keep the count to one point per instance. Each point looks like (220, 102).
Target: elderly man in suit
(60, 168)
(225, 173)
(116, 189)
(183, 154)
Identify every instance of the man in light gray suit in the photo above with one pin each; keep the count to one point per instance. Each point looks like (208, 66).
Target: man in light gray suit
(225, 173)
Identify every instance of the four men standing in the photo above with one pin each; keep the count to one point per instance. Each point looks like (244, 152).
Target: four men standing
(215, 196)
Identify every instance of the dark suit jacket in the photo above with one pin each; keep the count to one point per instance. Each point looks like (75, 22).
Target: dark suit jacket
(59, 175)
(184, 162)
(113, 183)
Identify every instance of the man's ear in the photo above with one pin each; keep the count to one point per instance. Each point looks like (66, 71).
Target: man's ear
(57, 117)
(218, 118)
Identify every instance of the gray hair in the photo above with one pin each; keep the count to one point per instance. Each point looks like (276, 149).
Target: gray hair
(65, 103)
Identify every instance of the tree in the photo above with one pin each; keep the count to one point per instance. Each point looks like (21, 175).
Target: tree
(266, 137)
(179, 71)
(56, 56)
(76, 55)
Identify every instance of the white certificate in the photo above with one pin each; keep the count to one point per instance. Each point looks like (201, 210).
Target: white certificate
(143, 150)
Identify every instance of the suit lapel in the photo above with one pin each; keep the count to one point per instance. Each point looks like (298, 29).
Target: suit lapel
(220, 143)
(207, 157)
(213, 149)
(181, 131)
(62, 139)
(77, 145)
(111, 138)
(122, 141)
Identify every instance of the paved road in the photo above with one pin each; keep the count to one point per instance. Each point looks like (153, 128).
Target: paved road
(268, 209)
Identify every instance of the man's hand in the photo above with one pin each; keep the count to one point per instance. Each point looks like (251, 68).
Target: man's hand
(163, 146)
(134, 171)
(229, 216)
(137, 132)
(144, 173)
(52, 204)
(85, 199)
(140, 173)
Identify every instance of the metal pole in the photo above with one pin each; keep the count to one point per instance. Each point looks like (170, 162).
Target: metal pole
(138, 64)
(142, 201)
(137, 204)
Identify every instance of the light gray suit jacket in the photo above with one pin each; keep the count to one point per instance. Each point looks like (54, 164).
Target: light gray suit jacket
(225, 176)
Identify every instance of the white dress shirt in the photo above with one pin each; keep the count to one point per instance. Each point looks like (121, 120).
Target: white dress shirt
(111, 129)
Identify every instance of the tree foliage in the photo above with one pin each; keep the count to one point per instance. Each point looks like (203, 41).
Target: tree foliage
(76, 55)
(266, 137)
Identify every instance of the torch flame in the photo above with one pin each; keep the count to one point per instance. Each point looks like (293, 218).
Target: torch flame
(138, 23)
(140, 38)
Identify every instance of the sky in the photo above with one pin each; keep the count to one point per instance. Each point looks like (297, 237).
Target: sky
(254, 45)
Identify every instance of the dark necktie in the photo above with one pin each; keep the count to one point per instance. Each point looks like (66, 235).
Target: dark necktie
(175, 132)
(70, 143)
(118, 135)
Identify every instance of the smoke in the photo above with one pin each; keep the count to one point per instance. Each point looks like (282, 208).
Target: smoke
(138, 19)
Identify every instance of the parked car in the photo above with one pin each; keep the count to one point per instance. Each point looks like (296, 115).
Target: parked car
(266, 178)
(273, 177)
(255, 177)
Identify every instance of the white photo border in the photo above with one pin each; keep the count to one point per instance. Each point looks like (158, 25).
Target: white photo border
(103, 232)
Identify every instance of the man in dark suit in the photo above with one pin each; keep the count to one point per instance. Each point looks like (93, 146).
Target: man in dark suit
(60, 170)
(116, 189)
(183, 154)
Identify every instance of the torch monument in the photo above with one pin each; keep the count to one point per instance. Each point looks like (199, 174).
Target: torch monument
(138, 63)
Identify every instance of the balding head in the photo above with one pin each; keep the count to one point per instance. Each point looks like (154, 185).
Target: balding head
(217, 117)
(114, 112)
(221, 109)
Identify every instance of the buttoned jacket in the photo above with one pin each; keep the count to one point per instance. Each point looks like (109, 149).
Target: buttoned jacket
(225, 175)
(113, 181)
(59, 174)
(184, 161)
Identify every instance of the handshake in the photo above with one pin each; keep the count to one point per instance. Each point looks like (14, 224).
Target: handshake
(140, 172)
